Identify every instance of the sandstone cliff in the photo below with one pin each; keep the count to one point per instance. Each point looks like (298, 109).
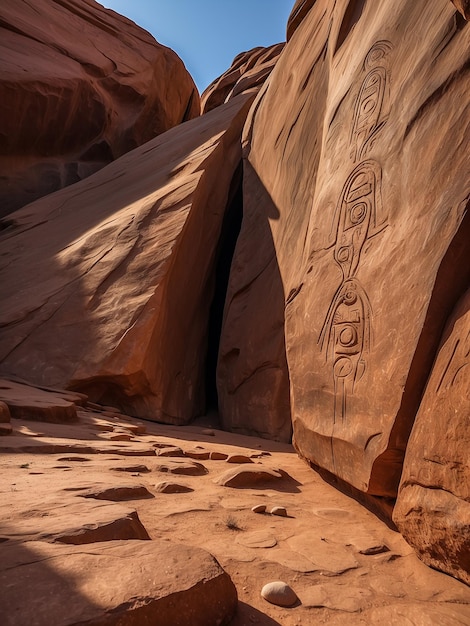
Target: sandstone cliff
(247, 73)
(79, 86)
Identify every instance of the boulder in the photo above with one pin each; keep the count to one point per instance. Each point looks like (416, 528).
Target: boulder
(124, 269)
(153, 582)
(350, 258)
(433, 505)
(31, 403)
(79, 524)
(248, 72)
(242, 477)
(80, 85)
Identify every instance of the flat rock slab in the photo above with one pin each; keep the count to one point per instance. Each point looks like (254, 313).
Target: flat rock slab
(257, 539)
(417, 614)
(118, 493)
(25, 402)
(347, 598)
(171, 451)
(197, 453)
(330, 557)
(135, 469)
(79, 524)
(116, 583)
(186, 468)
(169, 487)
(245, 477)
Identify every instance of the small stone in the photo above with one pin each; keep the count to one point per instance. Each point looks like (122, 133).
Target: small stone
(197, 453)
(208, 431)
(239, 458)
(279, 510)
(218, 456)
(169, 487)
(118, 493)
(131, 468)
(173, 451)
(279, 593)
(259, 508)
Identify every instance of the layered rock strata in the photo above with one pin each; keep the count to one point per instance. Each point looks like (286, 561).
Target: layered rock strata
(70, 104)
(124, 269)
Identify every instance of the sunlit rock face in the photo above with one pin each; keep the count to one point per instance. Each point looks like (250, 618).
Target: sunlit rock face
(433, 506)
(79, 86)
(113, 278)
(247, 73)
(350, 256)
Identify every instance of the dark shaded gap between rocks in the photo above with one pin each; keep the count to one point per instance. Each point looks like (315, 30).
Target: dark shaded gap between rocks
(230, 231)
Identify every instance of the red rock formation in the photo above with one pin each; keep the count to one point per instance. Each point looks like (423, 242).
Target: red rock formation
(297, 15)
(433, 506)
(345, 236)
(247, 73)
(124, 266)
(79, 86)
(464, 7)
(191, 589)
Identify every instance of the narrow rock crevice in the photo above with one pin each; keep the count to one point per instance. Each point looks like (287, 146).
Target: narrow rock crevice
(228, 239)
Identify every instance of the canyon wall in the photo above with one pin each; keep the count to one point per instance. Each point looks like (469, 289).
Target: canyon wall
(335, 169)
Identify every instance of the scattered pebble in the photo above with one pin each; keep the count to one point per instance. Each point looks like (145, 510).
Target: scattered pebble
(279, 510)
(208, 431)
(279, 593)
(259, 508)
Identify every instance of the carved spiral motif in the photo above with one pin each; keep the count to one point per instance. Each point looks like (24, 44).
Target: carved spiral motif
(350, 297)
(348, 337)
(358, 212)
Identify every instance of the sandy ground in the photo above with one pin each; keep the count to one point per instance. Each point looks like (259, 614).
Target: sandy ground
(345, 565)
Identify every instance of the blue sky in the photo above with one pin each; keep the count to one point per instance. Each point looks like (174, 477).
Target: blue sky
(208, 34)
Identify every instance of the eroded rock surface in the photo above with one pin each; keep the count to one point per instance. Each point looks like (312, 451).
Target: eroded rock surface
(247, 73)
(80, 85)
(357, 255)
(433, 506)
(142, 590)
(132, 255)
(25, 401)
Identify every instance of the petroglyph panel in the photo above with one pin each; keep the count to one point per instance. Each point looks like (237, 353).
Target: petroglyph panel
(371, 106)
(346, 333)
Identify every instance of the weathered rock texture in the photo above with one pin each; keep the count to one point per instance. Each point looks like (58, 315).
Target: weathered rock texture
(464, 7)
(79, 86)
(124, 268)
(354, 245)
(24, 401)
(433, 506)
(247, 73)
(114, 583)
